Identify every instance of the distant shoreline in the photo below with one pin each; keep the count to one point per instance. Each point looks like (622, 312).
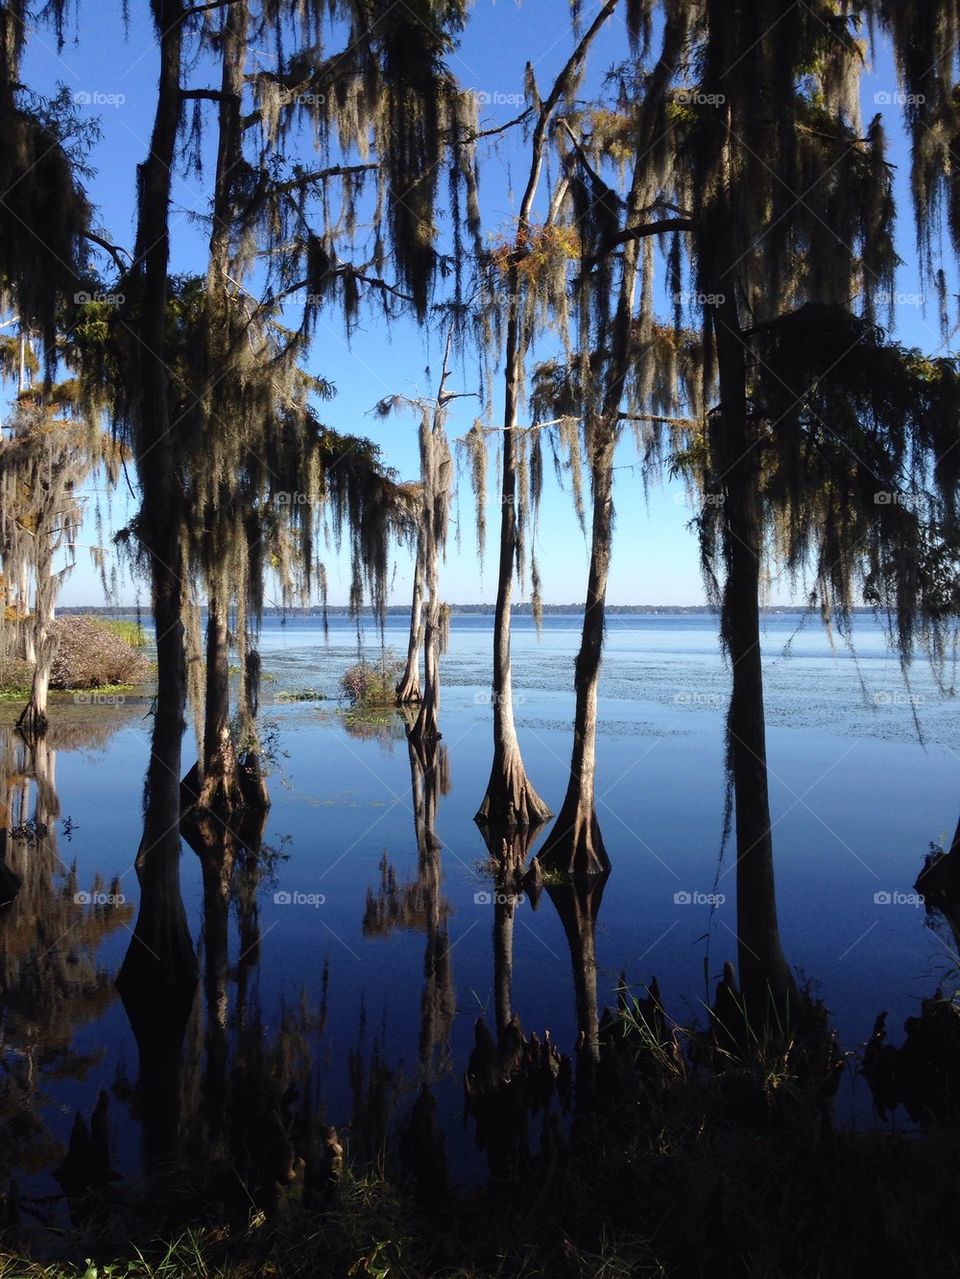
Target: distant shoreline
(476, 610)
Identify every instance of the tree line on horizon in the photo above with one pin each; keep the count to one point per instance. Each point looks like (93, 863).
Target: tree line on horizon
(701, 263)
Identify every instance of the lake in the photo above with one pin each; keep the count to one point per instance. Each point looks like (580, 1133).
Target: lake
(334, 933)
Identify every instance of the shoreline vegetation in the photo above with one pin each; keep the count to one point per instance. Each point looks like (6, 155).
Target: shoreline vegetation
(657, 1150)
(92, 656)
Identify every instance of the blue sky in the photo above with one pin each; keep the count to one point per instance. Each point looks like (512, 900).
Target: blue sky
(655, 557)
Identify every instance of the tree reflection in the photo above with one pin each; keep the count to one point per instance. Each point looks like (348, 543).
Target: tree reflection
(51, 928)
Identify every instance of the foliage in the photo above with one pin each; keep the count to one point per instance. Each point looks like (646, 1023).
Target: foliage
(535, 249)
(132, 632)
(370, 685)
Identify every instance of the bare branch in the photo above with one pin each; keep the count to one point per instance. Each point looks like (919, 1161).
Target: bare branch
(113, 249)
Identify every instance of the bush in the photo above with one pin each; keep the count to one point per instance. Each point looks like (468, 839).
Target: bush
(91, 654)
(16, 676)
(368, 685)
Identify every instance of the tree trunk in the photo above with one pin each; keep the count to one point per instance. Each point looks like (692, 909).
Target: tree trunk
(29, 644)
(408, 689)
(574, 845)
(33, 722)
(510, 800)
(765, 978)
(436, 466)
(161, 952)
(253, 784)
(426, 727)
(219, 789)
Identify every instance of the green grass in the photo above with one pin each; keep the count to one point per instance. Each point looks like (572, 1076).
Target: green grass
(301, 695)
(13, 694)
(132, 632)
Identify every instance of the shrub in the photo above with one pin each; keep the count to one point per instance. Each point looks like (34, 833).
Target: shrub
(16, 676)
(366, 684)
(91, 654)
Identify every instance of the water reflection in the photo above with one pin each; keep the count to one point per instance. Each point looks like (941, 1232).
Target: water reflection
(238, 1089)
(421, 905)
(230, 872)
(51, 927)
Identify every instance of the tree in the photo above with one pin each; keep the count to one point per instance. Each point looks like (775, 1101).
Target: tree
(408, 687)
(510, 799)
(802, 437)
(44, 216)
(629, 368)
(436, 468)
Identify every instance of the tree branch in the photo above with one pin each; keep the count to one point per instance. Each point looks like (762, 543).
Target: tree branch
(205, 95)
(205, 8)
(321, 175)
(639, 233)
(113, 249)
(500, 128)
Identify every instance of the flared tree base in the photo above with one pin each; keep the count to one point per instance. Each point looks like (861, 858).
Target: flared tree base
(408, 693)
(238, 789)
(424, 733)
(509, 848)
(772, 1001)
(511, 803)
(160, 961)
(575, 845)
(32, 724)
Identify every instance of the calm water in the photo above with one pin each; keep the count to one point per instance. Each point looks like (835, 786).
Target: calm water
(856, 800)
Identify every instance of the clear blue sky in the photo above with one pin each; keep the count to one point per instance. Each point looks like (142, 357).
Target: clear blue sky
(655, 556)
